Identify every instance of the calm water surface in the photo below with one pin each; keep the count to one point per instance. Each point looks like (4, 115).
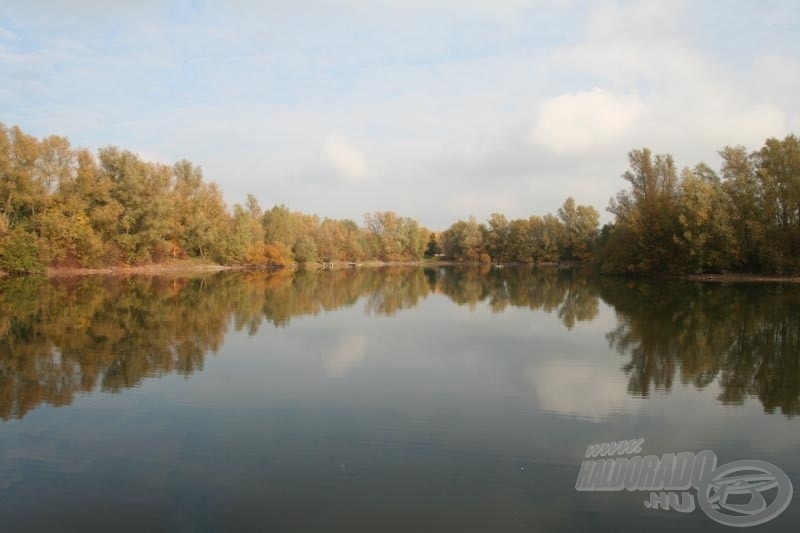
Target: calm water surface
(402, 399)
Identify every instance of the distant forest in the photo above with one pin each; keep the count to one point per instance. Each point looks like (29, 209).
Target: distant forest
(65, 207)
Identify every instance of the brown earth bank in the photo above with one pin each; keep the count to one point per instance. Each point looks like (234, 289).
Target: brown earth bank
(742, 278)
(187, 266)
(155, 268)
(427, 262)
(179, 267)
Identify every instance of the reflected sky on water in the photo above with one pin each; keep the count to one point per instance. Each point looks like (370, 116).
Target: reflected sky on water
(396, 399)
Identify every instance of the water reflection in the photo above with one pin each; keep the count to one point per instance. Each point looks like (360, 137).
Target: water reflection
(747, 336)
(62, 337)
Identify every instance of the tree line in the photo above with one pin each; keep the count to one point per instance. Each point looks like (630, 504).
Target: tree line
(746, 217)
(66, 207)
(61, 206)
(568, 235)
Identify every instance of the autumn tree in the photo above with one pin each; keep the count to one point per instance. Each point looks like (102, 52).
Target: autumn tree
(707, 238)
(200, 214)
(742, 187)
(144, 228)
(579, 229)
(647, 214)
(433, 248)
(464, 241)
(394, 238)
(778, 172)
(497, 238)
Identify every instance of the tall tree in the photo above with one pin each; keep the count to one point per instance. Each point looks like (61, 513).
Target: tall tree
(580, 224)
(464, 241)
(497, 237)
(649, 212)
(742, 186)
(778, 170)
(707, 238)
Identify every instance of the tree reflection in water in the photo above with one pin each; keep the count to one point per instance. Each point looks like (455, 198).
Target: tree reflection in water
(62, 337)
(746, 335)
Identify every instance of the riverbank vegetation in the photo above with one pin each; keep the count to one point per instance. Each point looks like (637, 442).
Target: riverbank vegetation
(66, 208)
(745, 218)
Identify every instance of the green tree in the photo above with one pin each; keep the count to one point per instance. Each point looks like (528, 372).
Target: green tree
(497, 238)
(244, 241)
(707, 238)
(520, 241)
(778, 171)
(464, 241)
(201, 215)
(20, 191)
(20, 252)
(143, 230)
(433, 248)
(580, 224)
(394, 238)
(648, 213)
(742, 186)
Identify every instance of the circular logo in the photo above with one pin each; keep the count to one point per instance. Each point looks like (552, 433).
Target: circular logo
(732, 494)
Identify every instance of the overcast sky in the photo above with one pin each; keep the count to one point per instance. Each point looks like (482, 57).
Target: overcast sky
(436, 110)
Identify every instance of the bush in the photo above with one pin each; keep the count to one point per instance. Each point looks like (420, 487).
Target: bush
(20, 253)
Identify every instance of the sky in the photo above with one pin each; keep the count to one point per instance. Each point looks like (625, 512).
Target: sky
(433, 109)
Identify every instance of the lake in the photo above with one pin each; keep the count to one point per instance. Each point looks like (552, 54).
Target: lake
(380, 399)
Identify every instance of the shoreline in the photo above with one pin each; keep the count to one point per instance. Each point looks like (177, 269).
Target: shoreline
(187, 267)
(180, 267)
(741, 278)
(156, 268)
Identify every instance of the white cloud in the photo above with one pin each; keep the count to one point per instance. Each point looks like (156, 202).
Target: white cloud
(8, 35)
(348, 353)
(348, 162)
(594, 392)
(481, 204)
(650, 21)
(574, 122)
(749, 127)
(434, 107)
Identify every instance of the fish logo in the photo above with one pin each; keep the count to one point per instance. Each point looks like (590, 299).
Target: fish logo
(739, 494)
(738, 500)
